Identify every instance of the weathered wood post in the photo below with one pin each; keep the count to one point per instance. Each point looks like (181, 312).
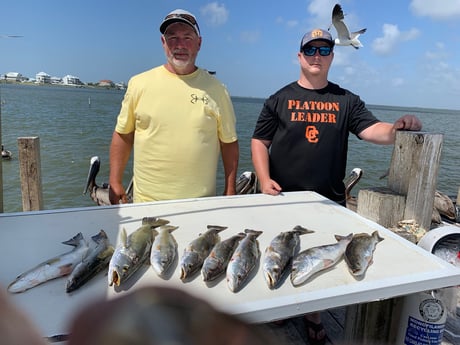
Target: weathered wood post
(30, 173)
(411, 182)
(409, 195)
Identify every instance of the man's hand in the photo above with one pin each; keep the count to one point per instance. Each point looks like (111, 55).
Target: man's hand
(409, 123)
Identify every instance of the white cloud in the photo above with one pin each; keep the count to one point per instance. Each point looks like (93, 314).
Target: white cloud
(392, 36)
(250, 36)
(397, 81)
(215, 13)
(438, 53)
(441, 10)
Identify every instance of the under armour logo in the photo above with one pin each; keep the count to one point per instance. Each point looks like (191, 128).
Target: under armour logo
(195, 98)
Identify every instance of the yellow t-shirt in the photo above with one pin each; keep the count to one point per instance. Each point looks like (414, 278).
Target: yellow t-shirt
(178, 122)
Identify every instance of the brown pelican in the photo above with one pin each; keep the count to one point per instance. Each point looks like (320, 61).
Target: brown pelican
(6, 154)
(246, 183)
(350, 182)
(445, 206)
(100, 194)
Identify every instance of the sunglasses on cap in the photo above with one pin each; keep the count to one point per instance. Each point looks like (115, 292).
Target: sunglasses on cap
(323, 51)
(187, 17)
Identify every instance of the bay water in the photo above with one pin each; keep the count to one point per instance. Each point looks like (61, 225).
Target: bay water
(74, 124)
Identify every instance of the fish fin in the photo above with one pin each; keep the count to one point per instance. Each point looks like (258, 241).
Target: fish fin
(123, 237)
(328, 263)
(74, 241)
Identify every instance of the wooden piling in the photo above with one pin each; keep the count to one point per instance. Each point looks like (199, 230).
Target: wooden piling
(30, 173)
(413, 176)
(414, 173)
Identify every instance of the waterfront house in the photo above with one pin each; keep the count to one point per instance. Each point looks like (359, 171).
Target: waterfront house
(42, 78)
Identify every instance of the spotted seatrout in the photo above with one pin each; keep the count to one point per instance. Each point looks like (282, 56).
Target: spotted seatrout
(58, 266)
(133, 250)
(279, 254)
(96, 260)
(220, 255)
(198, 250)
(315, 259)
(164, 249)
(243, 261)
(360, 251)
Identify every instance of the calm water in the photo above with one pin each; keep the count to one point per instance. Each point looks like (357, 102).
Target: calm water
(75, 124)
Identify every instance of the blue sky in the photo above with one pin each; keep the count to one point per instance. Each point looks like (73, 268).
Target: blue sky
(411, 53)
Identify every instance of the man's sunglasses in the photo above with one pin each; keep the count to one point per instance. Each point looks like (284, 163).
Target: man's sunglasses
(310, 50)
(187, 17)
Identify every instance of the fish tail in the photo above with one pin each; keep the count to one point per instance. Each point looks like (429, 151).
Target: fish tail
(154, 221)
(255, 233)
(301, 230)
(100, 236)
(74, 241)
(376, 235)
(169, 228)
(218, 228)
(340, 238)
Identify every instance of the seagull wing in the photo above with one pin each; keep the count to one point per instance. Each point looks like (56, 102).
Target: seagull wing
(337, 20)
(357, 33)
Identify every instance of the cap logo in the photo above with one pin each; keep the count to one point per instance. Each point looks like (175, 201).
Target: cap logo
(316, 34)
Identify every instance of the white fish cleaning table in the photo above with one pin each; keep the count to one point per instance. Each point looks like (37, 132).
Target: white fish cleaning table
(399, 268)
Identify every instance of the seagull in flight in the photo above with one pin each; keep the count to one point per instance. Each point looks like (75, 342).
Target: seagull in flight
(344, 37)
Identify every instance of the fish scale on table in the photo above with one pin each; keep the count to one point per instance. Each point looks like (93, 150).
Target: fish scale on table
(197, 250)
(133, 250)
(279, 254)
(316, 259)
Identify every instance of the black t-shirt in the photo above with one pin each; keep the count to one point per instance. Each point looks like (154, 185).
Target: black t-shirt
(309, 133)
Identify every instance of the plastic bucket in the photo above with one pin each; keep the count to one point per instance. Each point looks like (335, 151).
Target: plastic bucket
(423, 316)
(423, 319)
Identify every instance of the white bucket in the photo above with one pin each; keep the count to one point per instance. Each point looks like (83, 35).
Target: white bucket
(423, 319)
(423, 315)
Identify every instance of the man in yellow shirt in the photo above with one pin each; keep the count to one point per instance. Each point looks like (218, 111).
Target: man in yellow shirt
(177, 118)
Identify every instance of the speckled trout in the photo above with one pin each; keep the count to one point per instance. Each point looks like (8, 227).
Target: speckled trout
(315, 259)
(279, 254)
(56, 267)
(216, 262)
(164, 249)
(133, 250)
(197, 251)
(359, 253)
(97, 259)
(243, 261)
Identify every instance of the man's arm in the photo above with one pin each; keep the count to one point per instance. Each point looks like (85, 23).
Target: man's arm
(120, 149)
(230, 155)
(260, 160)
(384, 133)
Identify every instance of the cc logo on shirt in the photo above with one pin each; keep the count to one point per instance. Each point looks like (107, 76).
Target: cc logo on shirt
(311, 133)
